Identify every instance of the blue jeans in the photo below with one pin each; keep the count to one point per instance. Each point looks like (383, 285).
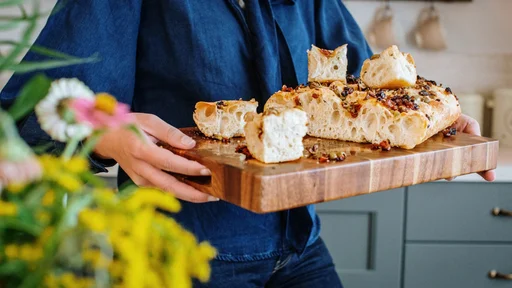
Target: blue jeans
(314, 269)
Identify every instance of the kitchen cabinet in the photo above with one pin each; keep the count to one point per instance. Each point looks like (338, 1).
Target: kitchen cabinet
(364, 235)
(440, 234)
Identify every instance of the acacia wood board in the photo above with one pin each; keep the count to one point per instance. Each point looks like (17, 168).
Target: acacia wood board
(262, 188)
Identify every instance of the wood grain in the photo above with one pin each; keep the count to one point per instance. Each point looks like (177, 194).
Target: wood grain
(262, 188)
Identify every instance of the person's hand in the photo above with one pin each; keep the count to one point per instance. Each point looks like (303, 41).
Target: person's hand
(469, 125)
(19, 172)
(145, 162)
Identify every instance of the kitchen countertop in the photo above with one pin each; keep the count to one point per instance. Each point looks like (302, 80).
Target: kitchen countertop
(503, 171)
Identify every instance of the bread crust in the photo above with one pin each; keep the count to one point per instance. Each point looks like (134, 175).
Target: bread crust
(223, 119)
(404, 117)
(327, 65)
(390, 69)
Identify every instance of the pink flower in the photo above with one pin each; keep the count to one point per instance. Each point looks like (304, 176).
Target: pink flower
(103, 111)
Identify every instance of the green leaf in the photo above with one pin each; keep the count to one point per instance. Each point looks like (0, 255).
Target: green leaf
(35, 90)
(40, 50)
(25, 67)
(9, 25)
(19, 225)
(7, 3)
(92, 179)
(35, 196)
(127, 189)
(23, 11)
(41, 149)
(25, 40)
(12, 267)
(91, 142)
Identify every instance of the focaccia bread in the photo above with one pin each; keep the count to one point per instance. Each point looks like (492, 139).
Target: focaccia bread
(390, 69)
(223, 119)
(327, 65)
(276, 135)
(402, 117)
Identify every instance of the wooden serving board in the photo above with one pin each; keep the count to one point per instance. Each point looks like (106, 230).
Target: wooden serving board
(262, 188)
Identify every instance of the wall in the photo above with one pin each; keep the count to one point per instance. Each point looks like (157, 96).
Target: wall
(479, 54)
(15, 34)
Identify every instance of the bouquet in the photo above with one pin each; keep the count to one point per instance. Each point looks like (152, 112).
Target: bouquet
(60, 225)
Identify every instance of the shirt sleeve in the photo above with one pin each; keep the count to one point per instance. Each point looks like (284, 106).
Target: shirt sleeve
(82, 28)
(336, 26)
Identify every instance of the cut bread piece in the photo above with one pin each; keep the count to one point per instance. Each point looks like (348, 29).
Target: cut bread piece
(276, 135)
(327, 65)
(402, 117)
(390, 69)
(223, 119)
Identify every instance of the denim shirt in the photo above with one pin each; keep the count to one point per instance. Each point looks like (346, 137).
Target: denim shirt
(163, 56)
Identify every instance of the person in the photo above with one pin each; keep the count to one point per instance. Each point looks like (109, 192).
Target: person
(164, 56)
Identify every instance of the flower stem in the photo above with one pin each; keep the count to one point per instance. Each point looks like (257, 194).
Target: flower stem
(70, 148)
(91, 143)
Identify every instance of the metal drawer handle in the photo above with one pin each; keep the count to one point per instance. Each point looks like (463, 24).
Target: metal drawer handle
(493, 274)
(500, 212)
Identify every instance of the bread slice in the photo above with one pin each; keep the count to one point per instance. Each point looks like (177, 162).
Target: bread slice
(403, 117)
(390, 69)
(276, 135)
(327, 65)
(223, 119)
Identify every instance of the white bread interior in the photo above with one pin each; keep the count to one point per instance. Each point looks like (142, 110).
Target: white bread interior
(329, 115)
(327, 65)
(223, 119)
(390, 69)
(276, 135)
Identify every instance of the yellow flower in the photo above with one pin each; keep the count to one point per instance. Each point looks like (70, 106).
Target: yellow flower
(45, 235)
(155, 198)
(69, 182)
(43, 217)
(93, 220)
(105, 196)
(76, 165)
(178, 274)
(48, 198)
(50, 281)
(68, 280)
(116, 269)
(31, 253)
(12, 251)
(16, 188)
(106, 103)
(86, 282)
(8, 209)
(96, 258)
(51, 166)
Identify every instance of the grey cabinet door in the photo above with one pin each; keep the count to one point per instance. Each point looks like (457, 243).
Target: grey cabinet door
(364, 235)
(456, 265)
(458, 212)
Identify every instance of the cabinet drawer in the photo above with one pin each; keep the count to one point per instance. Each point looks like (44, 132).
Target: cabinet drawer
(458, 212)
(364, 237)
(451, 265)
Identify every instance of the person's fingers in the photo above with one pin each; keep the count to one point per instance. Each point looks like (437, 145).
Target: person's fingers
(468, 125)
(170, 184)
(9, 173)
(165, 132)
(166, 160)
(488, 175)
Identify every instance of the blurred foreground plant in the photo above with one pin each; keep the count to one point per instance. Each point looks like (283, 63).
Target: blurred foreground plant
(59, 224)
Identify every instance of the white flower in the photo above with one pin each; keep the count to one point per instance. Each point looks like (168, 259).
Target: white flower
(51, 119)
